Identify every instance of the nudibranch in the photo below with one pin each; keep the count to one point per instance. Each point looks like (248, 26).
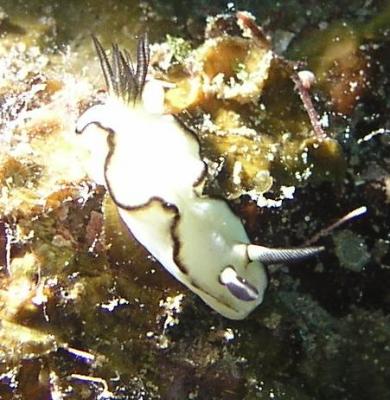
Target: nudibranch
(151, 167)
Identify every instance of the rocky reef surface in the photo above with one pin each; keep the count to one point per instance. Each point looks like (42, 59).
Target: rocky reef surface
(87, 313)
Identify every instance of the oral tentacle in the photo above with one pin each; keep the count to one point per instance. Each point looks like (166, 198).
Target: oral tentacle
(238, 286)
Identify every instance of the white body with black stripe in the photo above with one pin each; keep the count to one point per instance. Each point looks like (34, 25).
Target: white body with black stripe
(152, 169)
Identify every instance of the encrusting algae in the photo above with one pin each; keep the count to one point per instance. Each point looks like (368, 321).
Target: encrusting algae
(242, 101)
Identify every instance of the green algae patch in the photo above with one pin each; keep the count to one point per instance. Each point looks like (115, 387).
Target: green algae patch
(351, 250)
